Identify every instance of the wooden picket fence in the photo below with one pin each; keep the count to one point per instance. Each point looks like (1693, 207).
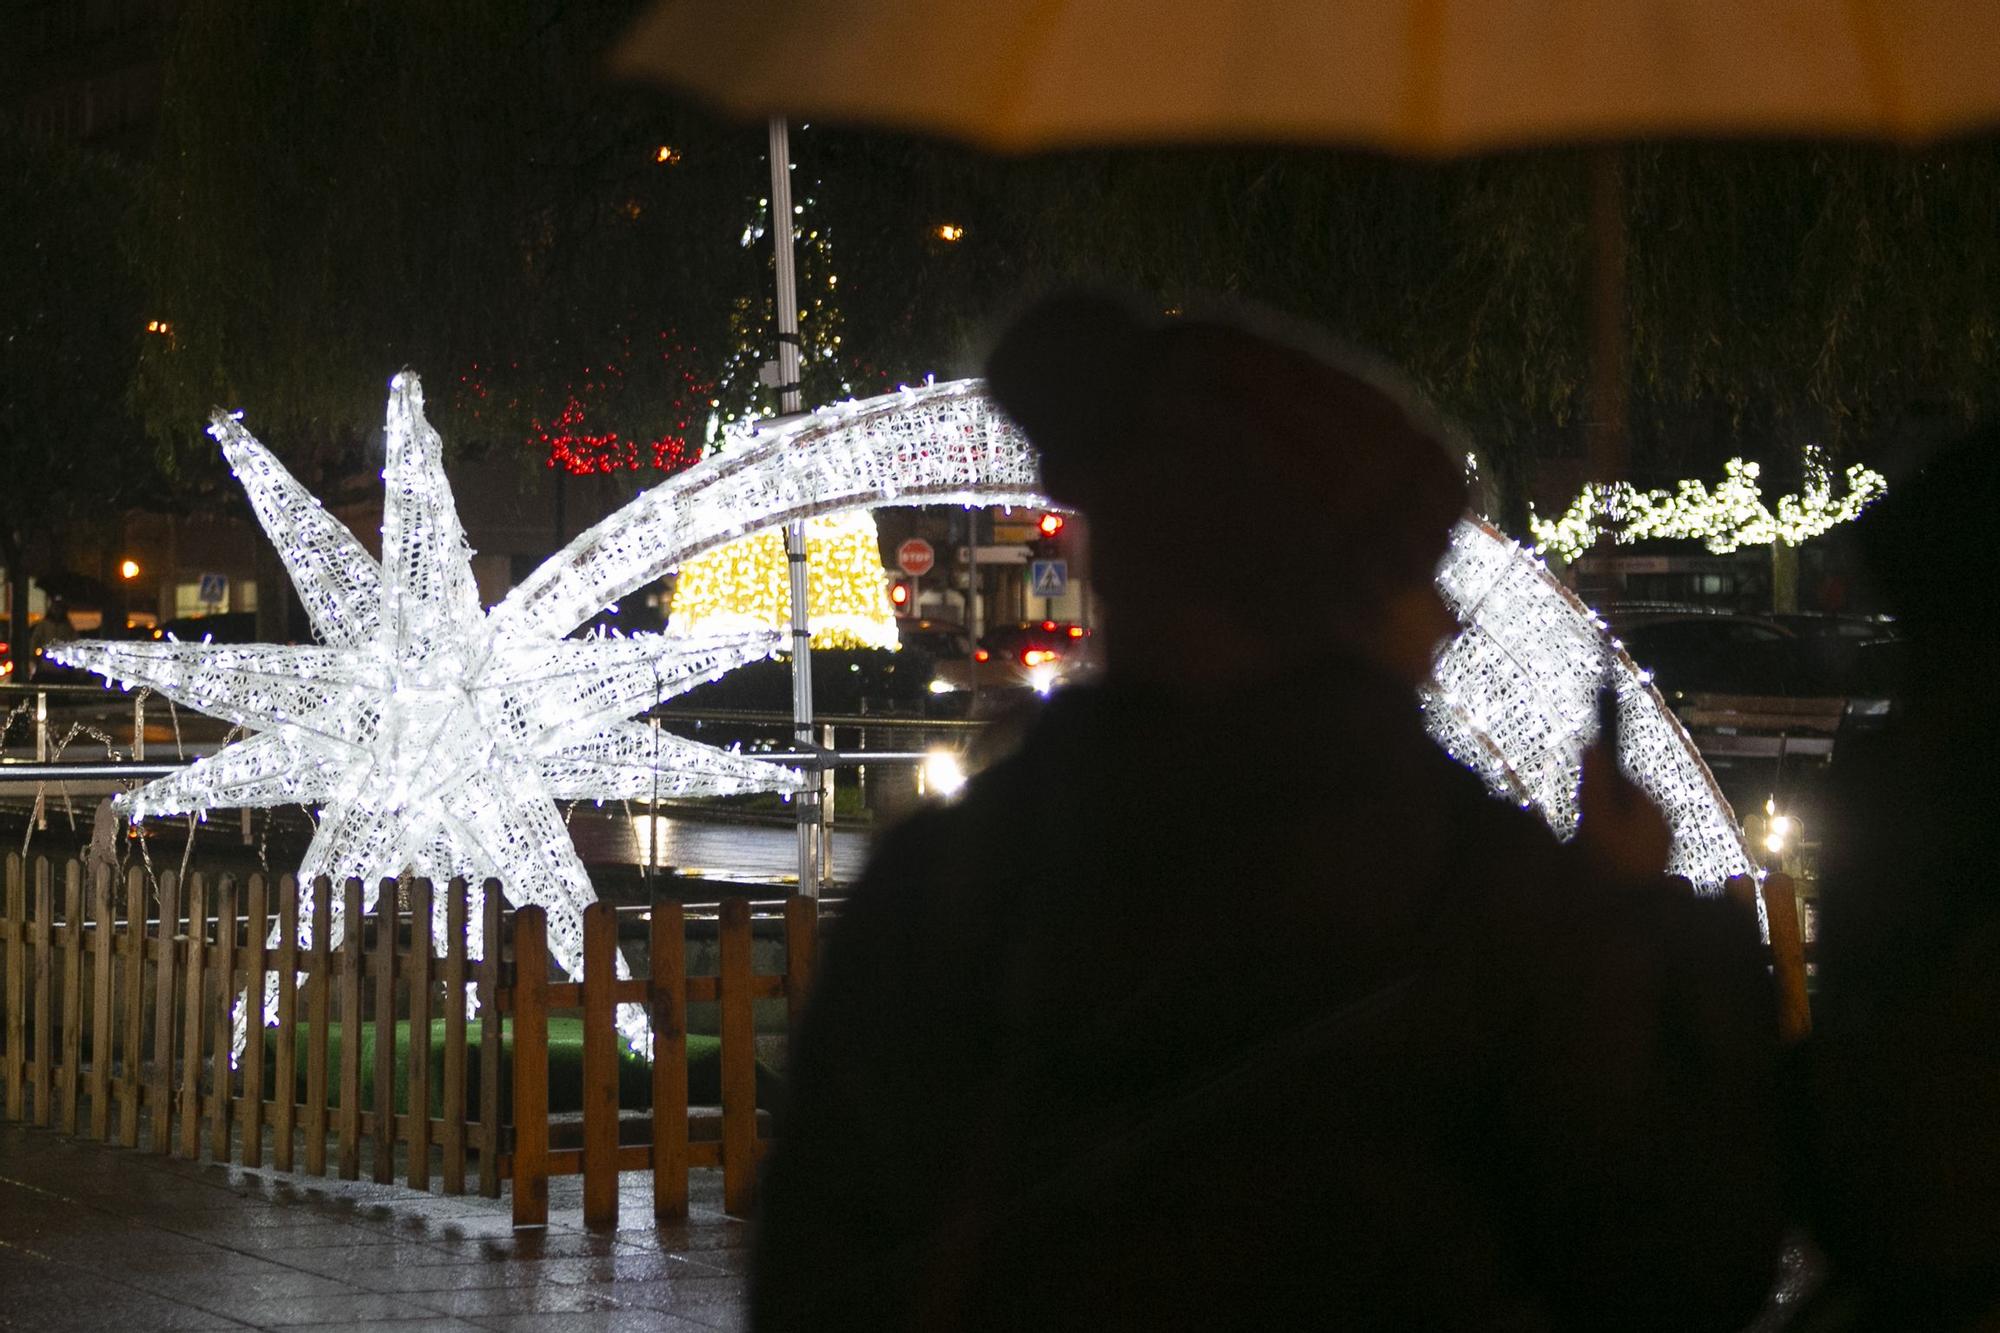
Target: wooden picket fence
(118, 999)
(669, 1151)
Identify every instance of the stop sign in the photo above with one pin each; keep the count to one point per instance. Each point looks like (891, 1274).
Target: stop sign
(915, 557)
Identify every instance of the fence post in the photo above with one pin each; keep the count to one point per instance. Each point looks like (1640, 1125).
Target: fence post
(102, 970)
(801, 952)
(319, 993)
(17, 983)
(72, 995)
(44, 968)
(350, 1034)
(419, 974)
(491, 945)
(531, 1067)
(385, 1032)
(284, 1070)
(166, 994)
(454, 1037)
(224, 988)
(194, 986)
(257, 936)
(130, 1086)
(600, 1066)
(1788, 960)
(739, 1061)
(668, 996)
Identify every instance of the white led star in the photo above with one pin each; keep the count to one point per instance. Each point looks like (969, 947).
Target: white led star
(436, 737)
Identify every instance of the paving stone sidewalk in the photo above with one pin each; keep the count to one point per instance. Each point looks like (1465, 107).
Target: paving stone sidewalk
(96, 1237)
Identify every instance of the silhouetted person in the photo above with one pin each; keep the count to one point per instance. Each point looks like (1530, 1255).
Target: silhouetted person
(1906, 1046)
(1230, 1001)
(54, 627)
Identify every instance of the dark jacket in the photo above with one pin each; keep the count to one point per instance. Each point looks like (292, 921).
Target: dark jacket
(1266, 1015)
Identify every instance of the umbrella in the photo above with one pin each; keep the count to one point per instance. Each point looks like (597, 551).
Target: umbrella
(1412, 76)
(1417, 76)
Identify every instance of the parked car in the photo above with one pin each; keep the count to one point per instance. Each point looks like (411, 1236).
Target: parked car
(1048, 653)
(943, 656)
(1696, 651)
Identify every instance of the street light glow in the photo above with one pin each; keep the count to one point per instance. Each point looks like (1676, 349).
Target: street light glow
(128, 569)
(943, 774)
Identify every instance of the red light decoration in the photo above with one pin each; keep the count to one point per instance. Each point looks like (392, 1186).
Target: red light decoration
(667, 396)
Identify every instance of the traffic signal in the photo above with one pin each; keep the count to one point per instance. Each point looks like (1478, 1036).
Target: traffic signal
(1047, 546)
(899, 596)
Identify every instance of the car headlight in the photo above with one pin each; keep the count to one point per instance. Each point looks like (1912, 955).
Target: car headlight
(943, 686)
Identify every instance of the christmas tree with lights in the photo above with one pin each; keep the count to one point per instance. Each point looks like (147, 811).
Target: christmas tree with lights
(744, 585)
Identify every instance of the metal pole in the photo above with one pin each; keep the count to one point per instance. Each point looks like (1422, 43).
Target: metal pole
(807, 802)
(972, 617)
(826, 797)
(41, 816)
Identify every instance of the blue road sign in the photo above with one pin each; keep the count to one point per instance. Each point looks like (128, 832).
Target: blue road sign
(1049, 578)
(214, 589)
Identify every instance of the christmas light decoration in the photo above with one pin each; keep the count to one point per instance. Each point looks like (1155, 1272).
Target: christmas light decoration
(437, 737)
(1732, 515)
(1514, 699)
(939, 444)
(744, 586)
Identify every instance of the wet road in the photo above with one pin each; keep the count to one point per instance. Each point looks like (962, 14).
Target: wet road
(704, 848)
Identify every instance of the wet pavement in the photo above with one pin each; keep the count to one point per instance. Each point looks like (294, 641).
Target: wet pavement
(97, 1237)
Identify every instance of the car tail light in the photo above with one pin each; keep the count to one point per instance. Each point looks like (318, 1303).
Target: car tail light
(1048, 624)
(1076, 631)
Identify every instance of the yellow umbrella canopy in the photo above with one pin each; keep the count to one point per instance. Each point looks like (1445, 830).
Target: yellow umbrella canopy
(1419, 76)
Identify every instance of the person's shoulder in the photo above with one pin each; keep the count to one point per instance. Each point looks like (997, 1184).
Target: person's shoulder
(924, 858)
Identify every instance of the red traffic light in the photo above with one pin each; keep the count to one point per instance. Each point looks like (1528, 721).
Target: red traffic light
(1051, 524)
(899, 597)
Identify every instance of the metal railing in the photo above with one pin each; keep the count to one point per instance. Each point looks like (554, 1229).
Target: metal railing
(33, 700)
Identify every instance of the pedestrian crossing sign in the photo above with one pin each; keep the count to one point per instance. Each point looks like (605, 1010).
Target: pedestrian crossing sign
(1049, 578)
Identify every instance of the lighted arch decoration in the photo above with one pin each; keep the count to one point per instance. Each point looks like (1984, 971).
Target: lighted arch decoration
(1515, 693)
(1515, 699)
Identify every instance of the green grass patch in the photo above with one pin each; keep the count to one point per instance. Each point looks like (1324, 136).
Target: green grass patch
(635, 1072)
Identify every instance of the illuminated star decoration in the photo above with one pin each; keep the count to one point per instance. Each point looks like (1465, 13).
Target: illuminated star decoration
(436, 737)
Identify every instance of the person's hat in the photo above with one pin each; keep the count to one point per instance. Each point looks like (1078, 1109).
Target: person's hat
(1225, 450)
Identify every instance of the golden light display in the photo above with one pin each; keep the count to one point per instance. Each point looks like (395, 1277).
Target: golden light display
(743, 586)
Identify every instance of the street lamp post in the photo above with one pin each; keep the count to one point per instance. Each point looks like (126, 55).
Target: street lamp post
(807, 802)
